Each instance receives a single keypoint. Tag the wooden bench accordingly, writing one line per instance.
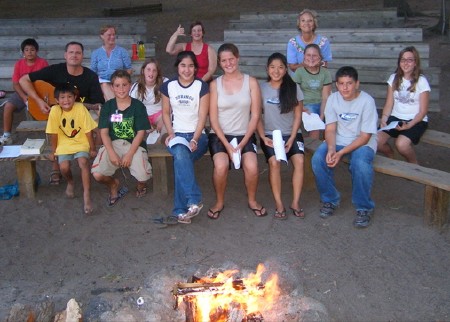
(436, 182)
(26, 172)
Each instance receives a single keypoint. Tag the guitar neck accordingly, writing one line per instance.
(94, 107)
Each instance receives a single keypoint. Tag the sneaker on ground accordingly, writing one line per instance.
(363, 218)
(327, 210)
(184, 219)
(5, 140)
(194, 210)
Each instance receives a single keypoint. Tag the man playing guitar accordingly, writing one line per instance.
(73, 72)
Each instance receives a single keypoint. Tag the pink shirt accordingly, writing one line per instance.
(21, 68)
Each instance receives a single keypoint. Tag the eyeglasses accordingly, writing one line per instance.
(407, 60)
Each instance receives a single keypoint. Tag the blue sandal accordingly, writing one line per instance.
(112, 201)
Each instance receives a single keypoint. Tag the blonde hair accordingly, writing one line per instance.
(312, 13)
(105, 28)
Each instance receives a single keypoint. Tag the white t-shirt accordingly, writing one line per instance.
(185, 103)
(149, 100)
(406, 103)
(352, 117)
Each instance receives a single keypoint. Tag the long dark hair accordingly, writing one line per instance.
(186, 54)
(288, 88)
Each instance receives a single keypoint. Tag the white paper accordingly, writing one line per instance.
(236, 155)
(390, 126)
(179, 140)
(312, 122)
(153, 137)
(10, 151)
(278, 145)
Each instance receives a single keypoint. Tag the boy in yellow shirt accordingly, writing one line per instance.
(70, 129)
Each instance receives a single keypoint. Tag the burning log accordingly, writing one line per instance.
(224, 299)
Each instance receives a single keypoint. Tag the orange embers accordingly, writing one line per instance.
(225, 297)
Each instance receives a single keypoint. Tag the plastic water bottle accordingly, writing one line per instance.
(141, 50)
(134, 50)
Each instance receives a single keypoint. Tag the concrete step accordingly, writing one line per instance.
(334, 35)
(326, 19)
(369, 54)
(71, 26)
(57, 52)
(58, 41)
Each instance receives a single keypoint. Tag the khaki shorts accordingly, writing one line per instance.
(140, 168)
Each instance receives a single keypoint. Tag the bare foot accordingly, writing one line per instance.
(114, 189)
(70, 190)
(88, 209)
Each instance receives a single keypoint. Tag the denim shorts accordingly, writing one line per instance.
(313, 108)
(71, 157)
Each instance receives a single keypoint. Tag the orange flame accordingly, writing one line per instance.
(252, 296)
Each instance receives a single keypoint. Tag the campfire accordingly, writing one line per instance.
(227, 297)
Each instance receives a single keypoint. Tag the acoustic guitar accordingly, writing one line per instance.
(46, 92)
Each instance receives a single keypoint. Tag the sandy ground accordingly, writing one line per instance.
(396, 270)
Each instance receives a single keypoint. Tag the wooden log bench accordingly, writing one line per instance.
(436, 182)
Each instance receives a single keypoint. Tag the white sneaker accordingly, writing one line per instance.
(194, 210)
(5, 140)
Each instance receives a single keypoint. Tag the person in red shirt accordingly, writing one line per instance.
(205, 54)
(18, 101)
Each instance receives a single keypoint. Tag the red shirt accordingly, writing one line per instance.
(202, 60)
(21, 68)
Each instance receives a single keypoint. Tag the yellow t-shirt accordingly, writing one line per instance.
(71, 128)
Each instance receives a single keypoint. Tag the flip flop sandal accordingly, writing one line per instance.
(55, 178)
(214, 215)
(261, 212)
(120, 194)
(299, 213)
(141, 192)
(280, 215)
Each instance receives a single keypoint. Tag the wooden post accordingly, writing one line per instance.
(436, 206)
(308, 177)
(162, 174)
(26, 177)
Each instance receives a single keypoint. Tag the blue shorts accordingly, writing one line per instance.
(17, 102)
(313, 108)
(298, 147)
(71, 157)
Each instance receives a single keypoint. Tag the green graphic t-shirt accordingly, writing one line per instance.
(134, 119)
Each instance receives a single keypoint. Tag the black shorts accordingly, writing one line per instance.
(414, 133)
(298, 147)
(216, 146)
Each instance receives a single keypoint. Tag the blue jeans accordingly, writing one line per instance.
(187, 192)
(361, 169)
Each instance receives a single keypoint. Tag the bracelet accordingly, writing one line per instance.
(195, 142)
